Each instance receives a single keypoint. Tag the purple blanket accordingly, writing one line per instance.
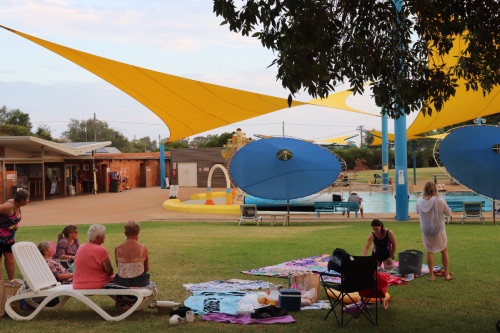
(286, 269)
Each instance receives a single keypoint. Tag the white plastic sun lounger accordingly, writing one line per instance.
(42, 283)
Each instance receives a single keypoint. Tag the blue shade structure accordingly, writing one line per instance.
(283, 168)
(471, 155)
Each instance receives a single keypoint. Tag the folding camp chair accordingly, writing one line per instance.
(42, 283)
(249, 213)
(358, 286)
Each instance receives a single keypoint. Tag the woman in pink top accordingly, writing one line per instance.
(93, 268)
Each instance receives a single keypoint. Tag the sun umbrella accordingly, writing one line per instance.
(471, 155)
(283, 168)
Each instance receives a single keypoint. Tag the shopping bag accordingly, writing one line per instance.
(306, 282)
(9, 289)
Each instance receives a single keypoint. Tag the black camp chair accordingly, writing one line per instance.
(358, 275)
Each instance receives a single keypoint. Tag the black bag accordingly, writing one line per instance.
(269, 311)
(335, 262)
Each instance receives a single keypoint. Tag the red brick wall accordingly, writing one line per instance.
(129, 165)
(2, 199)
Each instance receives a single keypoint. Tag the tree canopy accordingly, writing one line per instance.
(14, 122)
(320, 44)
(87, 130)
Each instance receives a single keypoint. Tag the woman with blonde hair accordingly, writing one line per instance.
(432, 211)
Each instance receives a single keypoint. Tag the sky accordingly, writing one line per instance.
(182, 38)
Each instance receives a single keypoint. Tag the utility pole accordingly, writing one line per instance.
(94, 170)
(95, 131)
(360, 128)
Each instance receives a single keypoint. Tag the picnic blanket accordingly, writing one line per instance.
(318, 264)
(232, 296)
(284, 270)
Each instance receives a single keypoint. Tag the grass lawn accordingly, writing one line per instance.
(422, 174)
(193, 252)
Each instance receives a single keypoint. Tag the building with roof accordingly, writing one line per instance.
(52, 170)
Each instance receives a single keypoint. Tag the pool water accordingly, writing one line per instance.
(385, 202)
(373, 202)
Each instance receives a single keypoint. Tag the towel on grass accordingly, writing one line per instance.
(246, 319)
(228, 285)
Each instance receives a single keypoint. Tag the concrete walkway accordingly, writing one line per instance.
(140, 204)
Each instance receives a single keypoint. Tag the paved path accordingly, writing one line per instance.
(140, 204)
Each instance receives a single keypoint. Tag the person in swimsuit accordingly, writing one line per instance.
(132, 262)
(384, 244)
(10, 216)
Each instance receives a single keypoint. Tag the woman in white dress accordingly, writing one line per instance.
(432, 211)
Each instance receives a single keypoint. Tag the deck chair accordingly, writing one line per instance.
(249, 213)
(40, 282)
(473, 210)
(358, 277)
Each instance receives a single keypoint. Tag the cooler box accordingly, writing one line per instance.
(289, 299)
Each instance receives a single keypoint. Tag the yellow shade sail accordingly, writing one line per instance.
(339, 141)
(338, 101)
(187, 107)
(464, 106)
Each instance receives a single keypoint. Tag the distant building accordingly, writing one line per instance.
(53, 170)
(189, 167)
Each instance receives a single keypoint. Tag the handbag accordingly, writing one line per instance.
(7, 290)
(305, 282)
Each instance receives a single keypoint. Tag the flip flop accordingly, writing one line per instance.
(449, 278)
(439, 273)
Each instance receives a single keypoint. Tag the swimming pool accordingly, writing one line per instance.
(373, 202)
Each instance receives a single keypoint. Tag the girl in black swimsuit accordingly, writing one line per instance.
(384, 244)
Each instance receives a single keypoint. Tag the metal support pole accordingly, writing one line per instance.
(385, 152)
(162, 166)
(400, 143)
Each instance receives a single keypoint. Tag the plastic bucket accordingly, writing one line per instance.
(410, 261)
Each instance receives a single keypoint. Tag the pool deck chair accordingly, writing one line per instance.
(42, 283)
(249, 213)
(473, 210)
